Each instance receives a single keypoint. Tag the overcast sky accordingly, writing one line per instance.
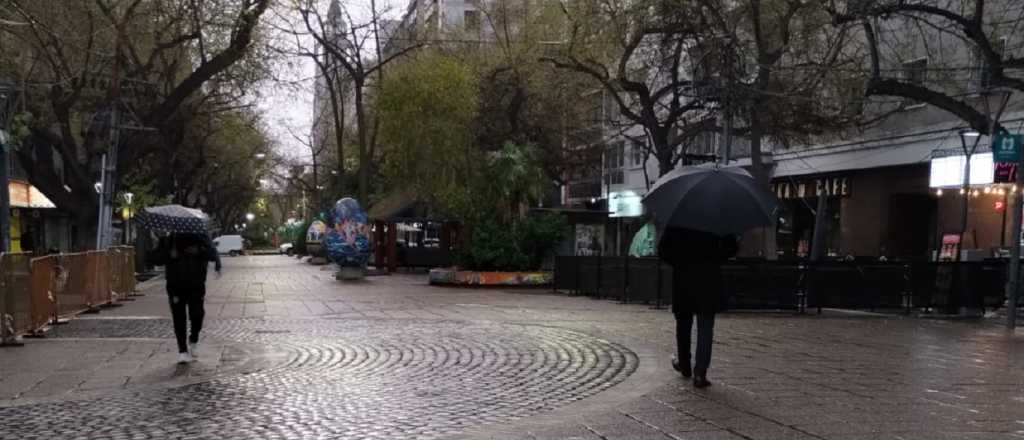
(290, 108)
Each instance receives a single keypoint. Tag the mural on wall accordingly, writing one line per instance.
(348, 241)
(589, 239)
(470, 278)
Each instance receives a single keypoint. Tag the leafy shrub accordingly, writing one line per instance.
(299, 238)
(523, 246)
(539, 236)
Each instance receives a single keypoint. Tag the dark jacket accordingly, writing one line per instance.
(185, 258)
(696, 259)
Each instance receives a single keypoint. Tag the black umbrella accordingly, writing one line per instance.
(721, 201)
(174, 218)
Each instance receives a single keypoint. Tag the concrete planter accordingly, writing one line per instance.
(454, 277)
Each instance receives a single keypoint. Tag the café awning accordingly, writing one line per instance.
(24, 195)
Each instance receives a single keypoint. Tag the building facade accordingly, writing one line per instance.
(891, 190)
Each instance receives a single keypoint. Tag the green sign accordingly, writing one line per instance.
(1006, 148)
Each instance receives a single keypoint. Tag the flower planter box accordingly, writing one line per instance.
(454, 277)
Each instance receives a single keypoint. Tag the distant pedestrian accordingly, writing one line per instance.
(696, 258)
(186, 258)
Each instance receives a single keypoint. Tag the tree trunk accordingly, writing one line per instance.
(662, 150)
(364, 160)
(820, 226)
(338, 112)
(762, 175)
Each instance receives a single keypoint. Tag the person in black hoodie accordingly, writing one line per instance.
(186, 258)
(696, 258)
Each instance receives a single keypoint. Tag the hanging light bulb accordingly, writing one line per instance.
(974, 193)
(988, 190)
(962, 191)
(938, 192)
(1013, 189)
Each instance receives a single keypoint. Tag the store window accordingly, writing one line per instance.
(795, 232)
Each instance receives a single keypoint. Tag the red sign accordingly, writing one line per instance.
(1005, 173)
(1000, 206)
(950, 246)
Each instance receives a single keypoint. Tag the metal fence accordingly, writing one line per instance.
(35, 292)
(759, 284)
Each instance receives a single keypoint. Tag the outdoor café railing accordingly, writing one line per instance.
(779, 285)
(35, 292)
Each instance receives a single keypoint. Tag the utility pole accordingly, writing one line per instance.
(6, 95)
(1013, 284)
(5, 202)
(727, 105)
(109, 171)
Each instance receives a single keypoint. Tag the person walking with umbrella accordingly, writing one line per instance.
(696, 258)
(699, 211)
(185, 254)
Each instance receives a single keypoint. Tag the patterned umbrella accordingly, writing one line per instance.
(174, 218)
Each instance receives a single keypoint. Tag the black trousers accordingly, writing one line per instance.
(705, 335)
(187, 306)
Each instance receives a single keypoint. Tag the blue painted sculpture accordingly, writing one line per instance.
(316, 232)
(348, 240)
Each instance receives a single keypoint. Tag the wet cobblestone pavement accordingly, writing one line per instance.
(357, 379)
(291, 353)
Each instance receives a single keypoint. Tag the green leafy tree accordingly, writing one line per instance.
(428, 115)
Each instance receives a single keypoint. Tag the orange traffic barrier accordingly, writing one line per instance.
(35, 292)
(15, 296)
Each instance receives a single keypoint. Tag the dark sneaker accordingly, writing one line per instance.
(701, 382)
(683, 369)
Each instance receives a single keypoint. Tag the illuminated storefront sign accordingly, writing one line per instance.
(625, 204)
(949, 171)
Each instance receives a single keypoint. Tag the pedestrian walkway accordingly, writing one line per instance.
(288, 352)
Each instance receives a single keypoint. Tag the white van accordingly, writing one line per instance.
(229, 244)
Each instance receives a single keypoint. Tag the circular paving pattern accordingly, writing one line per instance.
(344, 379)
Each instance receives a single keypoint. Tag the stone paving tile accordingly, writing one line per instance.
(776, 376)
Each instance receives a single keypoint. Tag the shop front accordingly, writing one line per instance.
(873, 213)
(986, 203)
(35, 224)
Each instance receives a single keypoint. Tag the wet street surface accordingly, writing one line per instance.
(288, 352)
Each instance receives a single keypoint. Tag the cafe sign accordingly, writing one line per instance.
(812, 188)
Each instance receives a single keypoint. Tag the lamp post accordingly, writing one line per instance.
(965, 187)
(5, 202)
(98, 186)
(128, 196)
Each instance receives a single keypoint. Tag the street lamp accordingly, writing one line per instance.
(250, 217)
(128, 197)
(965, 187)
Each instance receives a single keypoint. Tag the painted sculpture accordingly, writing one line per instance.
(316, 232)
(348, 241)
